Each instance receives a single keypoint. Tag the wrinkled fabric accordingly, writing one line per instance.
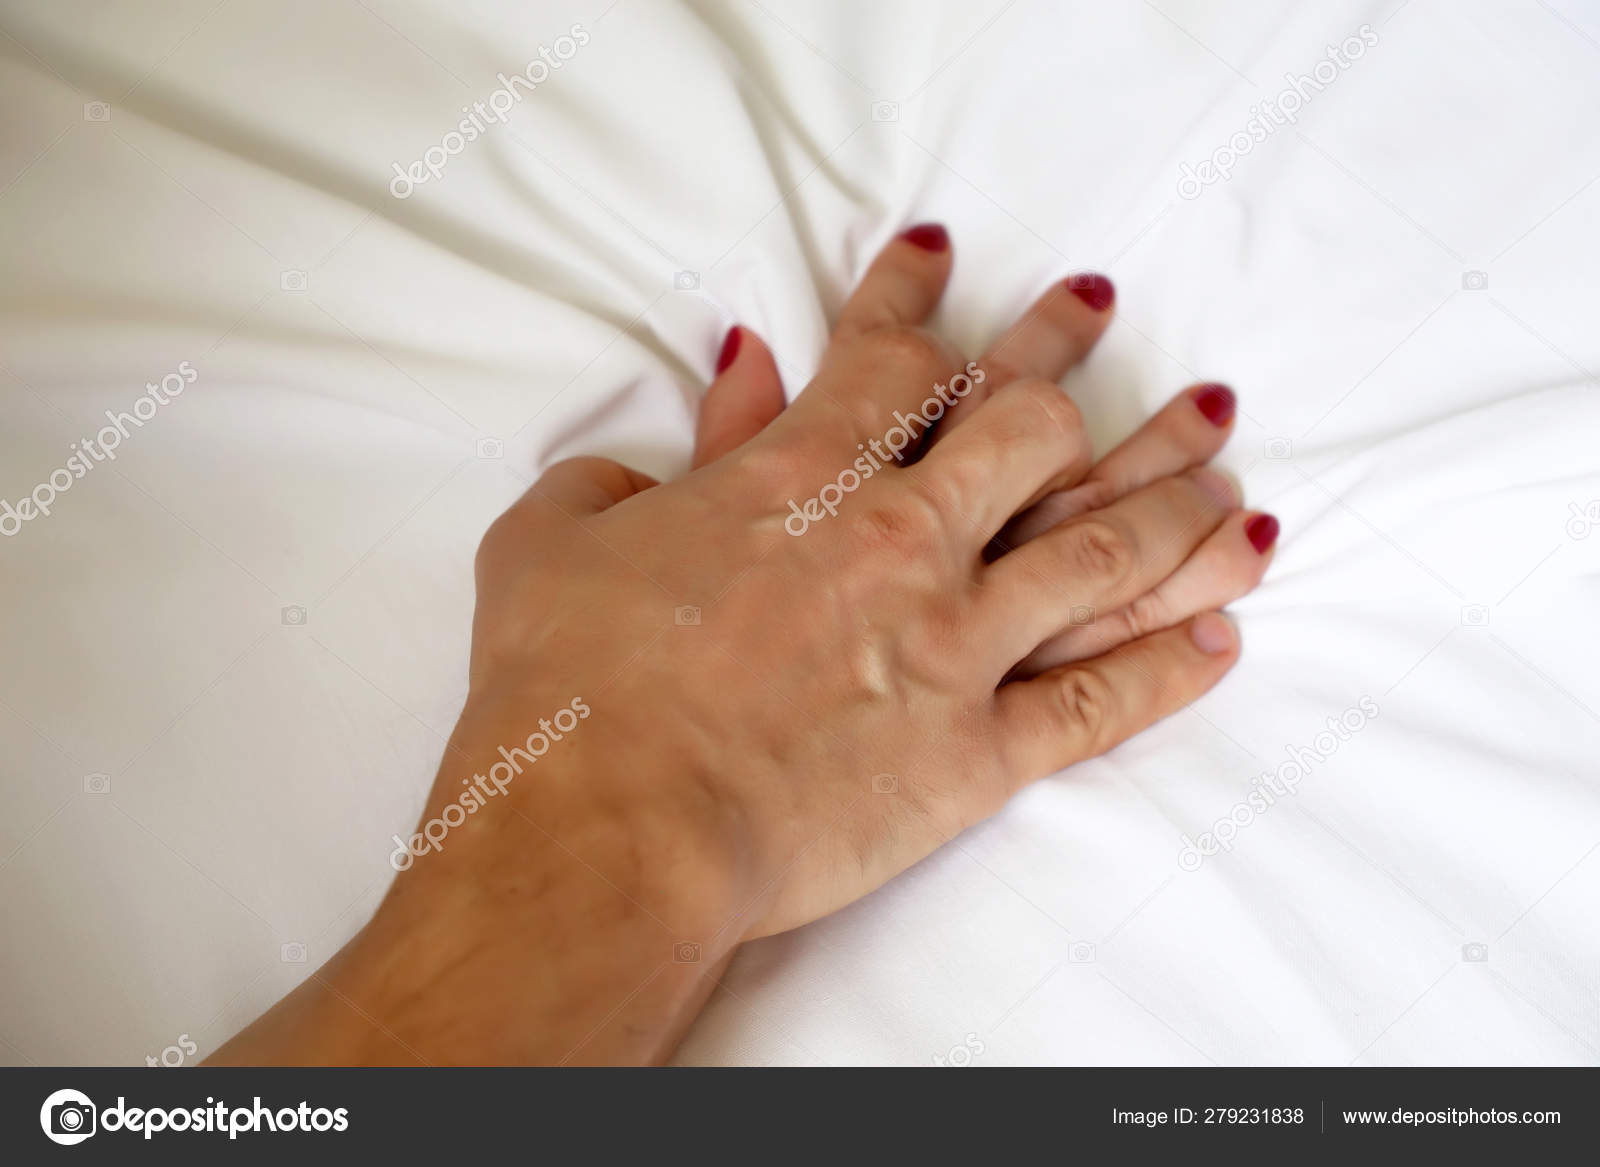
(234, 650)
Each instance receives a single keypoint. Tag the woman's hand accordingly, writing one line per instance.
(720, 708)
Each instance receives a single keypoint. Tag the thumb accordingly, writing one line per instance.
(586, 486)
(746, 395)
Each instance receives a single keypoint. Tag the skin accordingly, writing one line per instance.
(849, 699)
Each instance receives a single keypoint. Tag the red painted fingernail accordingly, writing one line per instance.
(928, 236)
(1217, 402)
(730, 350)
(1262, 531)
(1093, 289)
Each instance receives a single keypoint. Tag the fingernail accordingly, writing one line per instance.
(730, 350)
(1217, 402)
(1212, 632)
(1218, 485)
(1093, 289)
(1262, 531)
(928, 236)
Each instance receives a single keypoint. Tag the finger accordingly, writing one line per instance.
(1023, 442)
(1080, 711)
(1054, 334)
(886, 390)
(586, 486)
(1101, 561)
(1048, 513)
(903, 285)
(881, 372)
(745, 396)
(1188, 431)
(1228, 565)
(571, 489)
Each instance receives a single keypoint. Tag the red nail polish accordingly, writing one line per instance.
(928, 236)
(730, 350)
(1093, 289)
(1217, 402)
(1262, 531)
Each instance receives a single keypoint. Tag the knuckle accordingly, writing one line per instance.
(1099, 551)
(957, 487)
(907, 525)
(1057, 409)
(1148, 613)
(1084, 704)
(766, 466)
(903, 345)
(1096, 494)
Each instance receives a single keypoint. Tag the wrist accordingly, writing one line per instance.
(574, 916)
(542, 932)
(568, 959)
(596, 807)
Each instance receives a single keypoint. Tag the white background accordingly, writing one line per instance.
(1442, 439)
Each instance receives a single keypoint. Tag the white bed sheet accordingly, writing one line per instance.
(1437, 498)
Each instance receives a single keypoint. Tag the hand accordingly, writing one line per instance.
(733, 710)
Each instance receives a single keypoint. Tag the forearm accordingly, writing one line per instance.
(548, 932)
(592, 979)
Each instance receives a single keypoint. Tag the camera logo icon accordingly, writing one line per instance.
(1082, 614)
(97, 783)
(686, 616)
(1474, 281)
(491, 448)
(1278, 450)
(294, 952)
(885, 784)
(96, 111)
(294, 614)
(1475, 953)
(885, 111)
(685, 281)
(1475, 615)
(293, 280)
(686, 952)
(1081, 952)
(68, 1117)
